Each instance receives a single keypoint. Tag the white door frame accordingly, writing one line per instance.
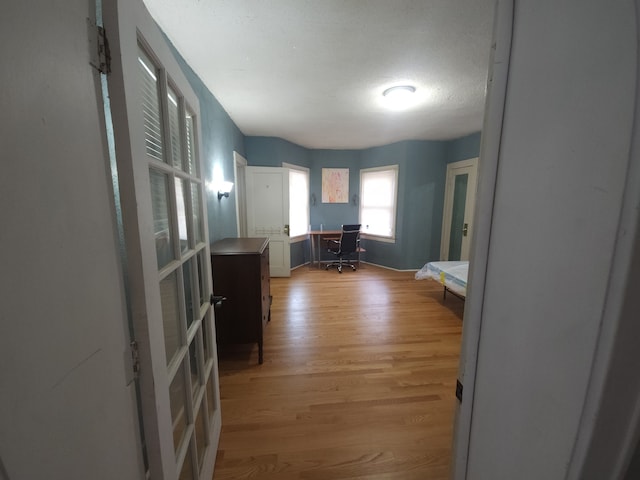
(239, 177)
(605, 439)
(454, 169)
(482, 219)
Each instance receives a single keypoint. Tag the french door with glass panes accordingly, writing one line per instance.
(156, 127)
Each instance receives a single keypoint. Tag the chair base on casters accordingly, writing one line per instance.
(340, 264)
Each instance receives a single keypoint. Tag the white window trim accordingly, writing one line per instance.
(291, 166)
(378, 238)
(381, 238)
(295, 167)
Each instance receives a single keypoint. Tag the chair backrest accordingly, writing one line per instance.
(349, 238)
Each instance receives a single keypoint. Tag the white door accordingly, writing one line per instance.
(67, 403)
(156, 125)
(268, 214)
(459, 204)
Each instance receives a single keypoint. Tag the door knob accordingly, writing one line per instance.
(465, 229)
(286, 230)
(217, 299)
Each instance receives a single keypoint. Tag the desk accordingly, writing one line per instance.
(315, 240)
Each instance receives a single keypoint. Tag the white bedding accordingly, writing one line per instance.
(452, 275)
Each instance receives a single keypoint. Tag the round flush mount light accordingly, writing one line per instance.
(399, 90)
(400, 96)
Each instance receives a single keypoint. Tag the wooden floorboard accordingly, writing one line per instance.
(358, 381)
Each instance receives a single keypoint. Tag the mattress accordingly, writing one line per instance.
(452, 275)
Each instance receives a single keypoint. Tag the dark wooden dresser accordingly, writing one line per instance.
(240, 268)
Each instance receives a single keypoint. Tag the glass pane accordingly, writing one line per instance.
(178, 407)
(170, 315)
(377, 221)
(187, 467)
(211, 398)
(194, 368)
(298, 203)
(150, 106)
(174, 127)
(377, 202)
(191, 142)
(457, 216)
(181, 201)
(378, 188)
(206, 335)
(187, 276)
(160, 205)
(202, 281)
(197, 211)
(201, 435)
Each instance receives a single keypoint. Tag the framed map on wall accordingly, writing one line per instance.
(335, 185)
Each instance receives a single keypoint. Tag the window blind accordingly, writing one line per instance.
(151, 107)
(378, 192)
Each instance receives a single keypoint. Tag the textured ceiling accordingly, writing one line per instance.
(313, 71)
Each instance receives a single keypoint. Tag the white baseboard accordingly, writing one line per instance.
(391, 268)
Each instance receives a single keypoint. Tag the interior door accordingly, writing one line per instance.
(268, 214)
(156, 126)
(460, 192)
(67, 407)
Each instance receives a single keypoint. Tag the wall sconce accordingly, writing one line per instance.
(313, 199)
(355, 199)
(224, 190)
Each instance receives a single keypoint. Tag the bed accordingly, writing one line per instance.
(452, 276)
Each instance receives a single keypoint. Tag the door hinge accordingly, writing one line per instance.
(101, 56)
(131, 362)
(135, 359)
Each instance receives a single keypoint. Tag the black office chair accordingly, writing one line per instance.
(347, 245)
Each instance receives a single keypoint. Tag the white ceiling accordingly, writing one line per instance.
(313, 71)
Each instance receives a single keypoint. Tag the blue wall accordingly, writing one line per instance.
(271, 152)
(333, 215)
(421, 181)
(463, 148)
(220, 137)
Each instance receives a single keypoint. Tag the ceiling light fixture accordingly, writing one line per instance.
(400, 96)
(401, 90)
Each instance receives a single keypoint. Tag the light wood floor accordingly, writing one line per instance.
(358, 381)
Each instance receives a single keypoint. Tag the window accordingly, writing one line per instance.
(378, 193)
(298, 200)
